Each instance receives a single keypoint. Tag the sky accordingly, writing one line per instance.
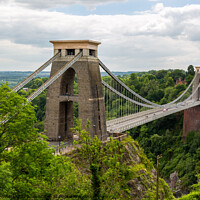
(135, 35)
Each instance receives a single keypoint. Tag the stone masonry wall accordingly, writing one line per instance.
(191, 121)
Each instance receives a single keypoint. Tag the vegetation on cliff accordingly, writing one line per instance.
(195, 194)
(163, 136)
(30, 170)
(118, 170)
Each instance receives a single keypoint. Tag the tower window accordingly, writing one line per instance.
(92, 52)
(70, 52)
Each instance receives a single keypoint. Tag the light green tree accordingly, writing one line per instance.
(28, 167)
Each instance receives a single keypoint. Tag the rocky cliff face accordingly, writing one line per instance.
(140, 185)
(143, 186)
(175, 185)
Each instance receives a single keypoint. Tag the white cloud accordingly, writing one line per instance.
(52, 3)
(162, 37)
(23, 57)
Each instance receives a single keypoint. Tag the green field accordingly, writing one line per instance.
(14, 77)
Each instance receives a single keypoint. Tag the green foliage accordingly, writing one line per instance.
(164, 136)
(190, 74)
(159, 137)
(34, 172)
(163, 188)
(195, 194)
(96, 182)
(5, 179)
(109, 172)
(177, 156)
(161, 74)
(28, 168)
(21, 118)
(40, 101)
(170, 82)
(177, 73)
(190, 70)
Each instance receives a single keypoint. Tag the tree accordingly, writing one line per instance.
(170, 82)
(190, 70)
(38, 174)
(177, 73)
(195, 194)
(134, 81)
(161, 74)
(107, 167)
(36, 83)
(21, 119)
(31, 169)
(190, 74)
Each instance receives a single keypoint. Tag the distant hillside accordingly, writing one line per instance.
(14, 77)
(119, 73)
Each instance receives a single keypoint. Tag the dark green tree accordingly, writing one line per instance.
(190, 70)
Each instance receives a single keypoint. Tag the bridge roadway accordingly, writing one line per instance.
(122, 124)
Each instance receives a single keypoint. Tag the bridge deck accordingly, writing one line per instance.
(131, 121)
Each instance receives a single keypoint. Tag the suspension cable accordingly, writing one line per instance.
(121, 83)
(193, 93)
(183, 92)
(140, 97)
(123, 96)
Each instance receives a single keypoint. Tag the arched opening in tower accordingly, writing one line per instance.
(69, 83)
(75, 89)
(68, 112)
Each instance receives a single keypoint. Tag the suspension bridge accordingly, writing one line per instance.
(110, 105)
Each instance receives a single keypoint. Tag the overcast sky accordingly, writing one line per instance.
(136, 35)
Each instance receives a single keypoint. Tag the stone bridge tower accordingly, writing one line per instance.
(191, 120)
(59, 117)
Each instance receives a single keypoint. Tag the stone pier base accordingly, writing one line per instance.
(191, 120)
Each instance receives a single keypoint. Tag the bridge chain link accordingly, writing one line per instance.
(35, 73)
(54, 77)
(48, 82)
